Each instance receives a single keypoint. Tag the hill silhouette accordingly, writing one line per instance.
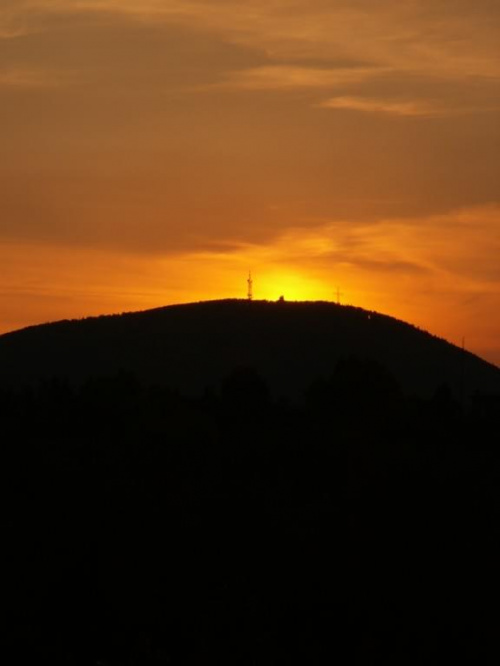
(248, 483)
(195, 346)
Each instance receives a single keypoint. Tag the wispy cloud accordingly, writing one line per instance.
(448, 39)
(392, 107)
(285, 77)
(13, 19)
(461, 246)
(21, 77)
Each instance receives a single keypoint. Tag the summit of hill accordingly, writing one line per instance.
(192, 347)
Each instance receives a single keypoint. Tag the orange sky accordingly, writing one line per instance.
(154, 150)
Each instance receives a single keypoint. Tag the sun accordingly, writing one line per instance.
(291, 285)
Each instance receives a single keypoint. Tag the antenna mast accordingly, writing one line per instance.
(250, 286)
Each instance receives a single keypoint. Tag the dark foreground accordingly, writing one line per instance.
(143, 527)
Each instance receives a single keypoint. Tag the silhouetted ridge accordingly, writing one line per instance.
(193, 347)
(145, 524)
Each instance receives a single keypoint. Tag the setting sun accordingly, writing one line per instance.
(272, 285)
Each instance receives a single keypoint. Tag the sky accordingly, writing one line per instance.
(153, 151)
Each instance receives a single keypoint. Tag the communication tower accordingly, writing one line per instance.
(250, 286)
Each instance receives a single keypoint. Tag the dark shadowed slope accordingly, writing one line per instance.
(194, 346)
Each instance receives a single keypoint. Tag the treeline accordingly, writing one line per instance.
(192, 346)
(146, 527)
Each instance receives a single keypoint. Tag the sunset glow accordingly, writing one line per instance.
(153, 152)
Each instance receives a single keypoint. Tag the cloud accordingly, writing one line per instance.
(13, 19)
(461, 246)
(305, 42)
(444, 39)
(287, 77)
(31, 78)
(392, 107)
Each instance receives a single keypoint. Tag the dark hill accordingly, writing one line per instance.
(144, 526)
(194, 346)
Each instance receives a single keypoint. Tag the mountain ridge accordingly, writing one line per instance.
(194, 346)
